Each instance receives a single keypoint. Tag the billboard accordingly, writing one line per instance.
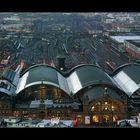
(87, 119)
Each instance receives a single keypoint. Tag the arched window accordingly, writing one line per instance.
(105, 106)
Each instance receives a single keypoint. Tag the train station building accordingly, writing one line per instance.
(86, 92)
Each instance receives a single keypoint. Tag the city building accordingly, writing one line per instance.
(132, 47)
(69, 66)
(45, 92)
(117, 42)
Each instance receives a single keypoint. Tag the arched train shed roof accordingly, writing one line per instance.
(127, 77)
(42, 74)
(78, 78)
(85, 75)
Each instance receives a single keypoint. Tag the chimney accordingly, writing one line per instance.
(61, 62)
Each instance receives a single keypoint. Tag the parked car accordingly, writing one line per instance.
(129, 123)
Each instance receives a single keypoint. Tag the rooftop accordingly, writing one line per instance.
(130, 82)
(77, 79)
(134, 42)
(121, 39)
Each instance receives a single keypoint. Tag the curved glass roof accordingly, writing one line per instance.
(127, 78)
(79, 78)
(40, 65)
(92, 74)
(86, 75)
(41, 74)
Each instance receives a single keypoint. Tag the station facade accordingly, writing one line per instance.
(86, 92)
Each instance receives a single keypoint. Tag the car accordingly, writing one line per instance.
(129, 123)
